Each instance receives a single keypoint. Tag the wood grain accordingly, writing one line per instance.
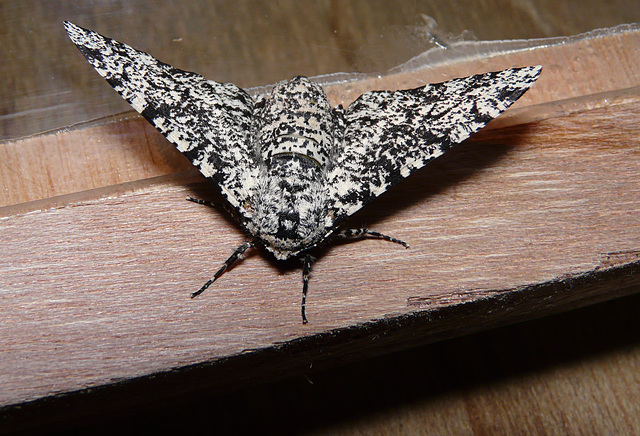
(519, 222)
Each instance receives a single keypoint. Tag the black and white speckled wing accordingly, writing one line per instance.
(389, 135)
(209, 122)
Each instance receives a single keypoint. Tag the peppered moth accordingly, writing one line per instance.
(293, 168)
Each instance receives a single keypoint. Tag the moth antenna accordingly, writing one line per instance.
(363, 231)
(237, 254)
(306, 269)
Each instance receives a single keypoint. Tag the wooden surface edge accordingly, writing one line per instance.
(615, 278)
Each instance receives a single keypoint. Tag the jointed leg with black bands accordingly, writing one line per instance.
(223, 206)
(306, 269)
(363, 231)
(237, 254)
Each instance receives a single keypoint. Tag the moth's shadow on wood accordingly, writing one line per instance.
(460, 163)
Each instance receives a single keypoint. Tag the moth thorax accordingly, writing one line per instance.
(297, 119)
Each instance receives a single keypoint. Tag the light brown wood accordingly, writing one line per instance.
(96, 289)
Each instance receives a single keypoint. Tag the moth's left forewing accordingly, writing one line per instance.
(209, 122)
(389, 135)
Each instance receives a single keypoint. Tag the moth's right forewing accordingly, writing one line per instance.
(391, 134)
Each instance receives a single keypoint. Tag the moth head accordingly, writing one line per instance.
(287, 232)
(289, 215)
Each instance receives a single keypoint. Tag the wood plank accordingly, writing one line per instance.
(519, 222)
(111, 276)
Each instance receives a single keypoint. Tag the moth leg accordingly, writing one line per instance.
(237, 254)
(208, 203)
(363, 231)
(306, 269)
(203, 202)
(216, 205)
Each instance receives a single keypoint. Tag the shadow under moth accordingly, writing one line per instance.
(292, 167)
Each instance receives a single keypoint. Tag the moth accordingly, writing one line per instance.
(293, 168)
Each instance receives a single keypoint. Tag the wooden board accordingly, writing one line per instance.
(521, 221)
